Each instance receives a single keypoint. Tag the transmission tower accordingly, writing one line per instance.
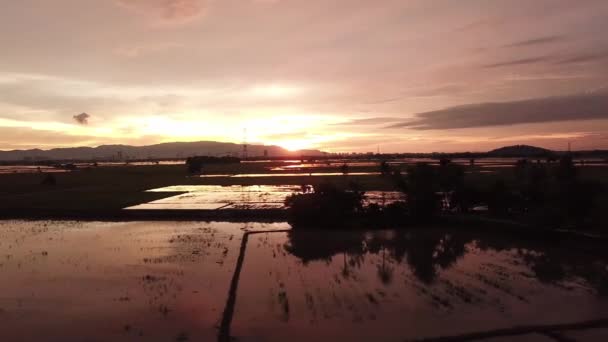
(245, 154)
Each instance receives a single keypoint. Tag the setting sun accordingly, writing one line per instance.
(294, 145)
(271, 170)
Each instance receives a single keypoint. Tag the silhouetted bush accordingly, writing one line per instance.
(49, 179)
(566, 171)
(537, 194)
(326, 206)
(195, 164)
(70, 166)
(385, 168)
(531, 184)
(395, 212)
(344, 169)
(499, 199)
(464, 197)
(421, 188)
(576, 200)
(450, 178)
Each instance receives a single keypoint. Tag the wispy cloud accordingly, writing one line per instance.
(557, 59)
(584, 58)
(549, 109)
(368, 121)
(537, 41)
(519, 61)
(168, 11)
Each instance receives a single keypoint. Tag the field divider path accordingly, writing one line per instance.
(552, 331)
(224, 331)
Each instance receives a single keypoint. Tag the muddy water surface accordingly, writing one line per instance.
(391, 286)
(145, 281)
(169, 281)
(216, 197)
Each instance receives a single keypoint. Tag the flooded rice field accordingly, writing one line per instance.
(170, 281)
(148, 281)
(254, 197)
(69, 167)
(211, 197)
(285, 168)
(307, 166)
(8, 169)
(480, 162)
(391, 286)
(301, 174)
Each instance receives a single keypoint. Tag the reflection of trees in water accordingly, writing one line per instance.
(323, 245)
(553, 262)
(385, 272)
(428, 251)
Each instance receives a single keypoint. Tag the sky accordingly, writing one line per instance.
(341, 76)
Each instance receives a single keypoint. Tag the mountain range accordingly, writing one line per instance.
(181, 150)
(520, 151)
(158, 151)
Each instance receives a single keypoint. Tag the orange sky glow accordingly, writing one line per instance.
(340, 75)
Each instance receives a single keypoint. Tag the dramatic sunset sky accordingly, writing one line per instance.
(346, 75)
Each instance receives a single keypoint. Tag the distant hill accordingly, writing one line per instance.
(158, 151)
(520, 151)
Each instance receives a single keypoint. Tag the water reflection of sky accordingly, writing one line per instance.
(293, 174)
(115, 281)
(395, 285)
(168, 281)
(215, 197)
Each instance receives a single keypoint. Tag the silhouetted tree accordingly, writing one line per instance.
(451, 178)
(49, 179)
(531, 182)
(499, 198)
(344, 169)
(421, 190)
(427, 251)
(566, 170)
(195, 164)
(385, 272)
(326, 206)
(385, 168)
(521, 167)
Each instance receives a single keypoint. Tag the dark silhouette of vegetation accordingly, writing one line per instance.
(421, 189)
(70, 166)
(385, 168)
(344, 169)
(451, 180)
(195, 164)
(537, 194)
(499, 199)
(326, 206)
(428, 252)
(550, 195)
(49, 179)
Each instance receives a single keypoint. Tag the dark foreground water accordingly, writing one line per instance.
(169, 281)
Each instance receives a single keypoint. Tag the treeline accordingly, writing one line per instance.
(195, 164)
(540, 194)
